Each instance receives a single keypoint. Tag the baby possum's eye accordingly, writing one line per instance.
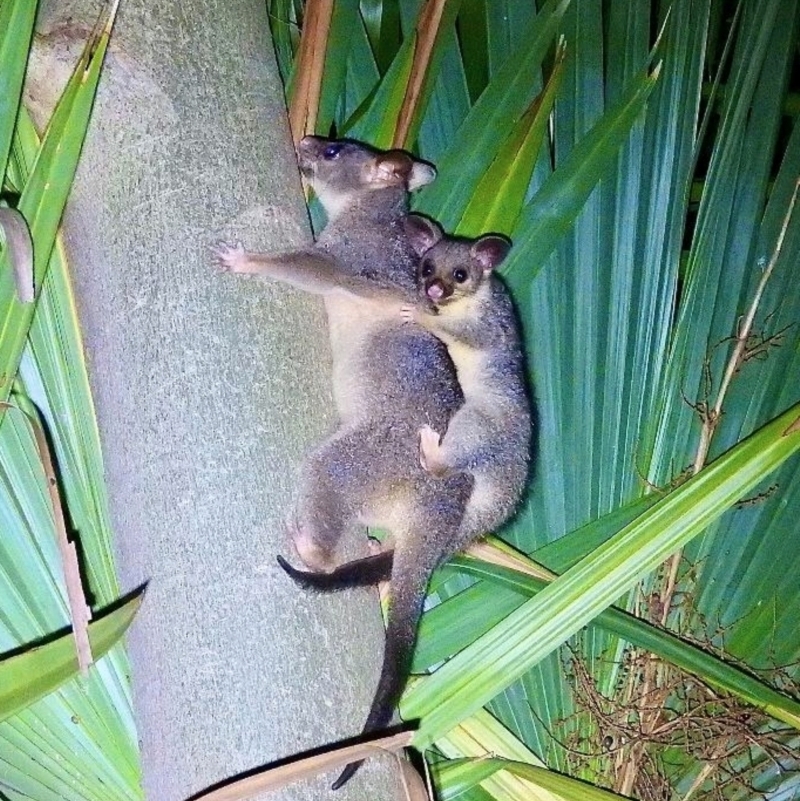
(332, 151)
(460, 275)
(426, 269)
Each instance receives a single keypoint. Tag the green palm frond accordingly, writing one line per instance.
(652, 203)
(78, 741)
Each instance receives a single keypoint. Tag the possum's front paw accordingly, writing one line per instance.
(430, 452)
(230, 258)
(408, 313)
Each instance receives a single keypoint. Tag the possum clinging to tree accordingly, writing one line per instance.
(389, 379)
(472, 313)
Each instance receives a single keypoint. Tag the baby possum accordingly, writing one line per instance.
(489, 436)
(389, 380)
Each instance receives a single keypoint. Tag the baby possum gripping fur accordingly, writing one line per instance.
(390, 379)
(489, 436)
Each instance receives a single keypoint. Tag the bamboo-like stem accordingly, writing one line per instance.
(430, 20)
(304, 104)
(712, 416)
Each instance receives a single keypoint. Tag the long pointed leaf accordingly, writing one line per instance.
(568, 604)
(556, 205)
(683, 654)
(16, 31)
(505, 99)
(458, 775)
(500, 196)
(27, 676)
(44, 196)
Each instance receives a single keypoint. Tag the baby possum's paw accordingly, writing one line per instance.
(430, 452)
(230, 258)
(412, 312)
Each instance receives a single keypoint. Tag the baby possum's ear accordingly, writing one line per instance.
(489, 251)
(422, 233)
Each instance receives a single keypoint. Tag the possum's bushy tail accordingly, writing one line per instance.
(406, 598)
(407, 595)
(431, 533)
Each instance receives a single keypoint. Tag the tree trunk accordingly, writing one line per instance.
(209, 388)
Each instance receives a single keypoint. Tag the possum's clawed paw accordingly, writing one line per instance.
(230, 258)
(408, 314)
(429, 450)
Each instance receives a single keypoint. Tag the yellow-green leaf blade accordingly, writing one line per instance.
(45, 194)
(16, 30)
(569, 603)
(683, 654)
(461, 774)
(562, 196)
(32, 674)
(500, 195)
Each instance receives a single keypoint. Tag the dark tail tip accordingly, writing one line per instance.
(308, 579)
(346, 775)
(287, 567)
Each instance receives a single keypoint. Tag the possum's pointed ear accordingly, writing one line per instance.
(489, 251)
(396, 168)
(422, 233)
(422, 174)
(392, 168)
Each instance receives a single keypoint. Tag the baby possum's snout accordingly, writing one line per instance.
(437, 290)
(439, 281)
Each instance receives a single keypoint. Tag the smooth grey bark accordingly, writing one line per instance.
(209, 390)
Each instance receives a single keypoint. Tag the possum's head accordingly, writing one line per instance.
(451, 267)
(340, 170)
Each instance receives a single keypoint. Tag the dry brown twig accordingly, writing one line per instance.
(311, 51)
(427, 30)
(710, 416)
(79, 611)
(715, 729)
(274, 778)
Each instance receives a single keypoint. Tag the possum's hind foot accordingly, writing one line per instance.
(430, 453)
(311, 553)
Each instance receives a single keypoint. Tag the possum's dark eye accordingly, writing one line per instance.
(332, 151)
(460, 275)
(426, 269)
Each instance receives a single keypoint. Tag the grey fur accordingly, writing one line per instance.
(390, 379)
(490, 435)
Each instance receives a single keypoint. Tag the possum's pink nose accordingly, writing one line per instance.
(435, 291)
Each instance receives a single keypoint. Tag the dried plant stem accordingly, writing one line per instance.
(430, 20)
(79, 611)
(310, 65)
(712, 416)
(303, 767)
(650, 713)
(705, 773)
